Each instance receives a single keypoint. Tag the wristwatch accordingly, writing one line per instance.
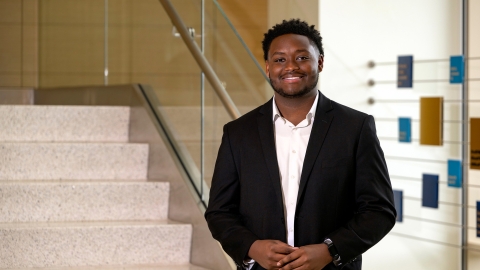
(333, 251)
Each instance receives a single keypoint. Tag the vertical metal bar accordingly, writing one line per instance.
(210, 74)
(21, 42)
(202, 107)
(465, 129)
(105, 45)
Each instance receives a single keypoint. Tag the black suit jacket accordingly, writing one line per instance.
(345, 192)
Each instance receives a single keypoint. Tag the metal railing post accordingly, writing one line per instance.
(201, 60)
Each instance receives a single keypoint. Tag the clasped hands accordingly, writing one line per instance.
(274, 254)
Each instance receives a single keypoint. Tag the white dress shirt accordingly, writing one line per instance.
(291, 144)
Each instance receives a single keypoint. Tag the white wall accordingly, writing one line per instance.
(474, 111)
(356, 32)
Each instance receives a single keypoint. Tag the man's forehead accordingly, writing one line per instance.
(279, 42)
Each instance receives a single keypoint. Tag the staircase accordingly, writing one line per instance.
(74, 194)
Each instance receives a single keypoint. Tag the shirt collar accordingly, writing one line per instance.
(310, 114)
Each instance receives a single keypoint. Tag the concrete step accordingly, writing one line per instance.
(129, 267)
(47, 245)
(64, 123)
(52, 161)
(53, 201)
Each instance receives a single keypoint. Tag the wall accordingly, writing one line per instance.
(473, 67)
(356, 32)
(142, 47)
(19, 43)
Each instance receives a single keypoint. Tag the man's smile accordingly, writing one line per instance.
(292, 78)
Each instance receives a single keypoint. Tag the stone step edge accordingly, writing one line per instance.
(60, 123)
(124, 267)
(78, 181)
(81, 181)
(72, 142)
(91, 224)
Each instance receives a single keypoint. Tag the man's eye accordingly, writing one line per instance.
(303, 58)
(279, 60)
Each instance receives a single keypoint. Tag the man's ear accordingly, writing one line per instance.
(320, 63)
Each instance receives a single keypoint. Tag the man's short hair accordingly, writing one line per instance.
(292, 26)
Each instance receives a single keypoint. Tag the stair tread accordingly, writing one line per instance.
(79, 181)
(127, 267)
(22, 161)
(84, 224)
(82, 181)
(60, 123)
(57, 201)
(68, 244)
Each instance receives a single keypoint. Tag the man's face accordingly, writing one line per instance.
(293, 65)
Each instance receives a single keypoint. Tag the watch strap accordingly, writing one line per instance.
(333, 251)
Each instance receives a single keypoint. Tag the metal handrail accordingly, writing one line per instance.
(201, 60)
(179, 154)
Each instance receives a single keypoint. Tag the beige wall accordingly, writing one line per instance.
(19, 43)
(307, 10)
(54, 43)
(142, 48)
(250, 19)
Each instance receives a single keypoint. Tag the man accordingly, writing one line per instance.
(301, 181)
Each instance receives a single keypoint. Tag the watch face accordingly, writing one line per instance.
(328, 242)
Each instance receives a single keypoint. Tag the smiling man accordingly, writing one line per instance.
(301, 181)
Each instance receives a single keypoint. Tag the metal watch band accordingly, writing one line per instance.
(333, 251)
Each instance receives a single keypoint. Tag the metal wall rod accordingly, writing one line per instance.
(414, 120)
(372, 64)
(381, 138)
(464, 242)
(448, 224)
(201, 60)
(418, 101)
(424, 239)
(416, 159)
(417, 81)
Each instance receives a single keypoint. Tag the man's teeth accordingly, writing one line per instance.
(292, 78)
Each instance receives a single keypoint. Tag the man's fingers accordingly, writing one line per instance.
(275, 257)
(283, 248)
(289, 260)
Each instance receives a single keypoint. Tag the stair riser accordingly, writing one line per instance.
(38, 202)
(64, 123)
(95, 246)
(37, 161)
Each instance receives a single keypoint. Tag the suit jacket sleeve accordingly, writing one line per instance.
(222, 215)
(375, 212)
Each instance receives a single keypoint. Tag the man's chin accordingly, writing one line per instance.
(292, 95)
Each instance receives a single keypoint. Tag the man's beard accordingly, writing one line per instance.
(301, 93)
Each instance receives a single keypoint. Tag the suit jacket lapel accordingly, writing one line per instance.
(267, 138)
(321, 123)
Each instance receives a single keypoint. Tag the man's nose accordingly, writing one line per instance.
(291, 64)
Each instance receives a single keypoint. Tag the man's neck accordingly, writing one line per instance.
(295, 110)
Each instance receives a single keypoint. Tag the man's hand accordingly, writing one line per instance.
(311, 257)
(267, 253)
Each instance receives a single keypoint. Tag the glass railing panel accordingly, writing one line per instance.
(143, 48)
(235, 64)
(237, 69)
(150, 52)
(232, 62)
(84, 43)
